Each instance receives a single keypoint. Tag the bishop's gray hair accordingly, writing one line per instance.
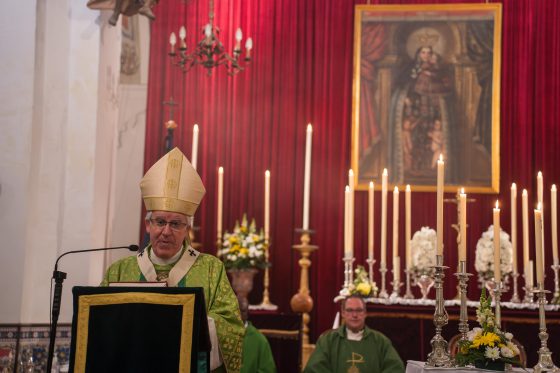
(190, 219)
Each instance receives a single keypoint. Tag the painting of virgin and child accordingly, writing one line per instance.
(426, 81)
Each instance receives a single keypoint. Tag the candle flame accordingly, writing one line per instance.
(513, 186)
(539, 206)
(371, 185)
(267, 173)
(524, 192)
(462, 190)
(347, 189)
(309, 127)
(221, 170)
(408, 187)
(553, 188)
(539, 174)
(497, 204)
(195, 128)
(350, 172)
(385, 171)
(441, 157)
(396, 190)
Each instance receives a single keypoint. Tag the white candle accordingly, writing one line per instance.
(347, 247)
(525, 219)
(407, 230)
(384, 177)
(497, 248)
(529, 275)
(554, 223)
(440, 178)
(514, 226)
(539, 263)
(463, 226)
(395, 222)
(351, 211)
(540, 188)
(194, 151)
(266, 204)
(370, 220)
(307, 177)
(397, 269)
(220, 200)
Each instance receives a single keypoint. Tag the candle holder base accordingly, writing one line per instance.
(463, 278)
(529, 296)
(408, 292)
(396, 289)
(545, 363)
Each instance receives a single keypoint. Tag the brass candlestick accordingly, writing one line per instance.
(556, 296)
(545, 363)
(463, 277)
(439, 357)
(302, 301)
(266, 304)
(515, 297)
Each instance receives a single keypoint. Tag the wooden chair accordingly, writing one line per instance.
(454, 347)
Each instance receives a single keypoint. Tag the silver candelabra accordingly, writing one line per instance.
(545, 363)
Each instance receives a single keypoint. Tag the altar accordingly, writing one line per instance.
(409, 325)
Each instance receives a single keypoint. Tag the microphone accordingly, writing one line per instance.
(59, 277)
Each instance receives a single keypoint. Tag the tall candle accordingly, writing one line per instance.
(525, 219)
(395, 222)
(384, 177)
(497, 248)
(397, 269)
(540, 188)
(538, 246)
(407, 231)
(266, 204)
(194, 151)
(440, 178)
(529, 275)
(514, 226)
(463, 226)
(351, 226)
(554, 223)
(370, 220)
(220, 200)
(307, 177)
(347, 248)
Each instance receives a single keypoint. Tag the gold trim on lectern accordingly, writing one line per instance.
(86, 301)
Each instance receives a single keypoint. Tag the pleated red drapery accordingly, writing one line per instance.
(301, 73)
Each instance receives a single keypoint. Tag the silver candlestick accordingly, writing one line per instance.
(397, 284)
(545, 363)
(528, 292)
(348, 273)
(515, 296)
(408, 293)
(556, 296)
(370, 262)
(463, 278)
(497, 302)
(439, 357)
(383, 270)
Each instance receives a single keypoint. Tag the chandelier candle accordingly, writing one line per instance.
(307, 177)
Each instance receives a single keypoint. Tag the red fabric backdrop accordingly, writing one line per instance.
(302, 72)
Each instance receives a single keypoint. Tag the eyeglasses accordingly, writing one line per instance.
(174, 225)
(351, 310)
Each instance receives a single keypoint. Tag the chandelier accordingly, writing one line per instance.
(210, 51)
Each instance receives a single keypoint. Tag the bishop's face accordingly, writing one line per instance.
(167, 231)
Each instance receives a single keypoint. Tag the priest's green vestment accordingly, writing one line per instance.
(334, 353)
(207, 272)
(257, 356)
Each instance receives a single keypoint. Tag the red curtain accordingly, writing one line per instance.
(301, 73)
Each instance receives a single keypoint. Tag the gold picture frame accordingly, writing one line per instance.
(427, 82)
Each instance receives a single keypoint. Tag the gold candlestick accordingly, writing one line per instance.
(302, 301)
(266, 304)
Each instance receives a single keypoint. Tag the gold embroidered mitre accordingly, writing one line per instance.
(172, 184)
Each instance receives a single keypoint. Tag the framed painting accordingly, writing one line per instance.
(427, 82)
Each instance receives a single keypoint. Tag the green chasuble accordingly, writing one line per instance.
(257, 356)
(207, 272)
(336, 354)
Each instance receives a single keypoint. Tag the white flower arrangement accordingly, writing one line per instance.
(423, 251)
(244, 247)
(484, 263)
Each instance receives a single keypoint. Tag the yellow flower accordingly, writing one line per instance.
(486, 339)
(233, 240)
(243, 251)
(235, 248)
(243, 229)
(363, 288)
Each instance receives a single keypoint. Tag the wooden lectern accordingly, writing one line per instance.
(139, 329)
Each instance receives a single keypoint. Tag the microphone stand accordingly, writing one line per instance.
(59, 278)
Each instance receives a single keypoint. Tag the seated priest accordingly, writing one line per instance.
(354, 347)
(257, 355)
(172, 190)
